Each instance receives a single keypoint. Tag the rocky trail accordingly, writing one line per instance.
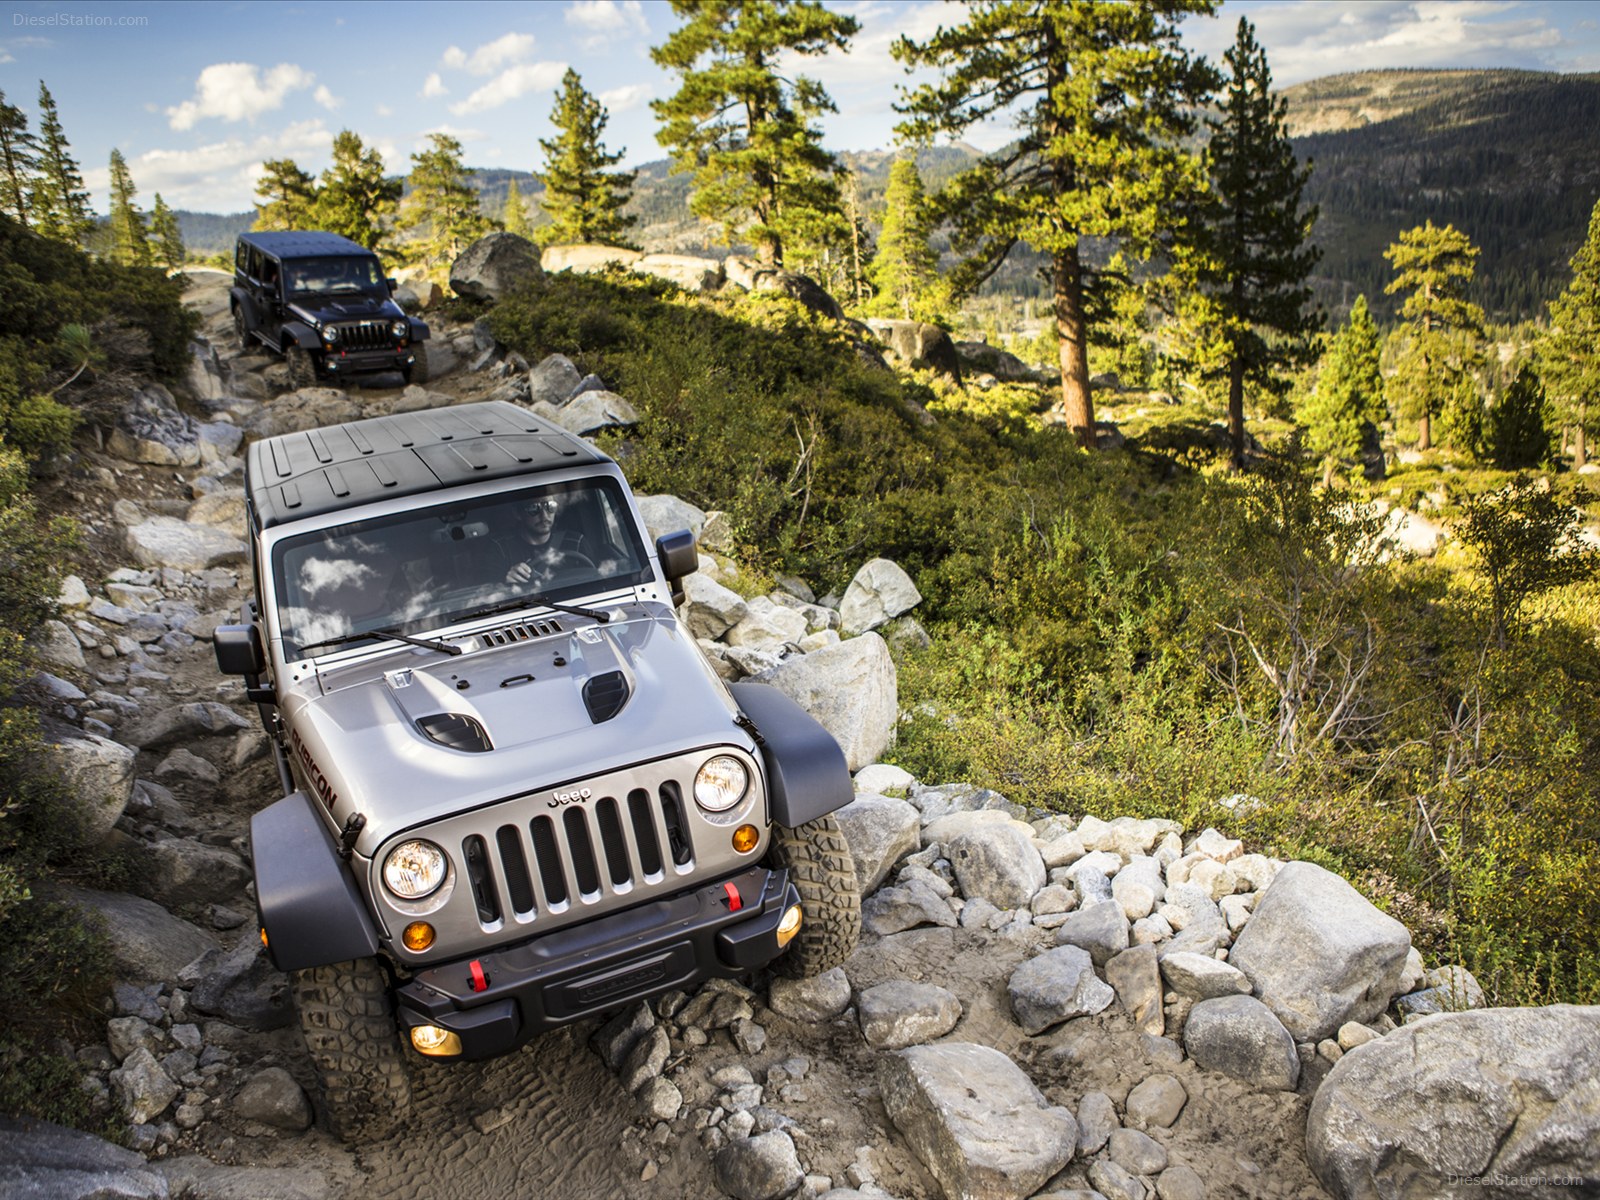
(1040, 1005)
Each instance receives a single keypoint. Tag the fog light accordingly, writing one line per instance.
(789, 926)
(418, 936)
(435, 1042)
(745, 838)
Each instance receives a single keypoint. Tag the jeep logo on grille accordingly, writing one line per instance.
(557, 799)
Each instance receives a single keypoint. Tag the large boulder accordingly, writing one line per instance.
(96, 772)
(589, 412)
(1494, 1102)
(991, 360)
(667, 514)
(1318, 953)
(689, 272)
(902, 1013)
(801, 288)
(150, 429)
(1057, 986)
(709, 609)
(147, 942)
(493, 266)
(38, 1159)
(587, 258)
(554, 381)
(918, 344)
(308, 408)
(880, 591)
(1239, 1036)
(975, 1120)
(850, 688)
(997, 862)
(880, 831)
(169, 542)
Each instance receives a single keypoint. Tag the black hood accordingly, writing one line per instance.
(329, 309)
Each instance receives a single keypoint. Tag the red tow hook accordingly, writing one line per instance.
(735, 901)
(480, 981)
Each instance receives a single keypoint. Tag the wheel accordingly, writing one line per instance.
(417, 372)
(241, 334)
(820, 867)
(349, 1027)
(302, 371)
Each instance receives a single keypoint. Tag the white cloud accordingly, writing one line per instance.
(221, 176)
(5, 56)
(510, 84)
(607, 16)
(433, 86)
(383, 110)
(491, 56)
(462, 135)
(622, 99)
(238, 92)
(326, 98)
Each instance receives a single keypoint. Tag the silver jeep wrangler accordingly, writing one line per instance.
(516, 795)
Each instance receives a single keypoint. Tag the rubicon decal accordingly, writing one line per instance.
(314, 774)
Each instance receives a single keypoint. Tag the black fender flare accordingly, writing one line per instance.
(298, 333)
(807, 776)
(419, 329)
(309, 905)
(240, 298)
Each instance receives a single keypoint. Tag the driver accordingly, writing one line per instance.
(534, 550)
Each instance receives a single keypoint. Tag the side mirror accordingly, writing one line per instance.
(679, 558)
(239, 650)
(394, 285)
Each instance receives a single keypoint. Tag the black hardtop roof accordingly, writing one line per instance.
(307, 243)
(316, 471)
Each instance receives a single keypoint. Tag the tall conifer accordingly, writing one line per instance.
(515, 217)
(1100, 92)
(583, 197)
(18, 154)
(905, 271)
(1441, 328)
(61, 205)
(166, 239)
(442, 211)
(286, 196)
(1570, 356)
(747, 132)
(130, 240)
(1349, 390)
(353, 197)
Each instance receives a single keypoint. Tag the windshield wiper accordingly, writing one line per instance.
(394, 634)
(489, 610)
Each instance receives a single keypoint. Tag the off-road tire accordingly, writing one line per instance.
(417, 372)
(302, 371)
(821, 869)
(240, 334)
(349, 1027)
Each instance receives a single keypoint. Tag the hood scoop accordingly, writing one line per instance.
(456, 732)
(605, 695)
(520, 631)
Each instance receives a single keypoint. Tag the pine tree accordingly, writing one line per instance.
(1517, 435)
(1441, 327)
(18, 157)
(515, 218)
(583, 198)
(1100, 92)
(1254, 254)
(905, 271)
(1349, 390)
(287, 196)
(748, 134)
(130, 240)
(60, 203)
(1570, 356)
(353, 198)
(442, 211)
(166, 238)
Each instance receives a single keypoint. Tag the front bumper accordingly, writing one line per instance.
(601, 964)
(354, 362)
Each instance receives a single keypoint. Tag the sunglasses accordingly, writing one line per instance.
(547, 507)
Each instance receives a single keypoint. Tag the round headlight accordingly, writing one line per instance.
(330, 334)
(399, 328)
(414, 869)
(720, 783)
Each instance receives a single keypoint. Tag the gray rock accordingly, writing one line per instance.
(187, 872)
(1458, 990)
(1138, 887)
(975, 1120)
(895, 909)
(41, 1161)
(1318, 953)
(811, 1000)
(902, 1013)
(661, 1099)
(918, 344)
(96, 772)
(185, 765)
(124, 1035)
(1089, 878)
(763, 1167)
(1201, 977)
(645, 1060)
(587, 258)
(616, 1038)
(800, 288)
(494, 265)
(709, 609)
(589, 413)
(1239, 1036)
(1155, 1102)
(879, 592)
(1136, 978)
(997, 862)
(56, 645)
(850, 689)
(272, 1097)
(242, 987)
(1438, 1108)
(194, 1178)
(1098, 927)
(881, 831)
(691, 273)
(147, 942)
(143, 1087)
(1138, 1153)
(1115, 1183)
(553, 381)
(767, 626)
(1180, 1182)
(184, 723)
(1056, 986)
(150, 429)
(1198, 921)
(169, 542)
(1097, 1120)
(668, 514)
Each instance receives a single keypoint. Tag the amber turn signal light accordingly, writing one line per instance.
(745, 838)
(435, 1042)
(789, 926)
(418, 936)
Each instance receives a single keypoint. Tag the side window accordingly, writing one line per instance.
(241, 258)
(269, 273)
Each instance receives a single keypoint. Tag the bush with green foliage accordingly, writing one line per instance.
(1517, 429)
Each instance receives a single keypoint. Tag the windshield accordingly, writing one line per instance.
(334, 275)
(428, 567)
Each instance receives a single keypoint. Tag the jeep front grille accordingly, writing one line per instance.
(364, 335)
(581, 853)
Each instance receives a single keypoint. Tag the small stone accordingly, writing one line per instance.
(1329, 1050)
(1137, 1152)
(1155, 1103)
(763, 1167)
(272, 1097)
(1353, 1034)
(661, 1099)
(811, 1000)
(645, 1060)
(1097, 1120)
(749, 1037)
(901, 1013)
(1180, 1182)
(1114, 1183)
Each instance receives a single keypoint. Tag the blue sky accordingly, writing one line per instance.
(196, 95)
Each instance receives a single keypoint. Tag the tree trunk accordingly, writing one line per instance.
(1425, 432)
(1236, 411)
(1580, 452)
(1077, 404)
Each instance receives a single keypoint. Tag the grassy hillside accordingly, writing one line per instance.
(1508, 157)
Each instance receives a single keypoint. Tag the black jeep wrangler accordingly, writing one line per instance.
(323, 302)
